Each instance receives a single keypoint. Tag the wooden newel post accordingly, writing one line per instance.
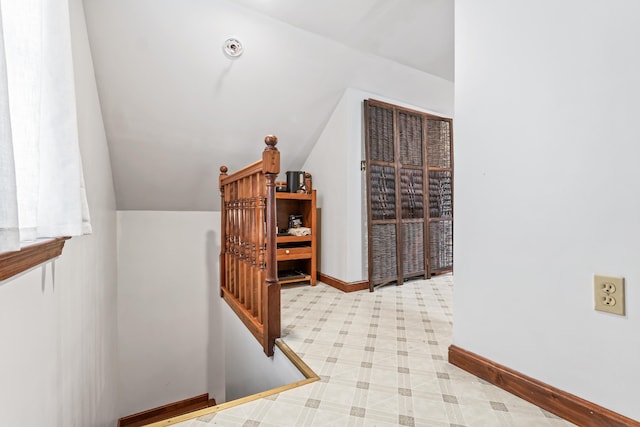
(223, 230)
(271, 168)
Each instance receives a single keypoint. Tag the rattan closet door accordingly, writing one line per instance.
(411, 141)
(381, 191)
(440, 167)
(409, 182)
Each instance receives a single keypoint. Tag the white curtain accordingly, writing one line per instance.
(41, 185)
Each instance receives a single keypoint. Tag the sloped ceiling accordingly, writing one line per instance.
(176, 109)
(416, 33)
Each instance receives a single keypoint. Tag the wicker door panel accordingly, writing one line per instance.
(413, 245)
(410, 138)
(383, 192)
(441, 246)
(381, 133)
(411, 142)
(412, 193)
(440, 165)
(440, 194)
(383, 248)
(439, 147)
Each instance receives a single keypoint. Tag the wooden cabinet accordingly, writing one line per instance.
(296, 254)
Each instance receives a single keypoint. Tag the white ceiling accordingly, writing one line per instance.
(416, 33)
(175, 108)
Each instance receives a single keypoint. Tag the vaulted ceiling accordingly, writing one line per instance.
(176, 108)
(416, 33)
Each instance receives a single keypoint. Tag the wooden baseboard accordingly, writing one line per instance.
(343, 286)
(309, 377)
(561, 403)
(167, 411)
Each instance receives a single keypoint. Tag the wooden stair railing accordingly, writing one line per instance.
(248, 264)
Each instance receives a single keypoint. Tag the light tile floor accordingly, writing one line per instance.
(382, 358)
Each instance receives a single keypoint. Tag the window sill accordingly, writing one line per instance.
(12, 263)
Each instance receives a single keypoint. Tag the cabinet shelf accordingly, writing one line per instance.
(293, 196)
(293, 239)
(296, 254)
(288, 278)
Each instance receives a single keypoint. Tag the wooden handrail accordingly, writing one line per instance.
(248, 264)
(246, 171)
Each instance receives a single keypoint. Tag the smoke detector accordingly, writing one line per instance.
(233, 48)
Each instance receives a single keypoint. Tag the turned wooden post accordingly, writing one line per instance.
(223, 230)
(308, 183)
(271, 300)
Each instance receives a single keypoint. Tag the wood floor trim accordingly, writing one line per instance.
(561, 403)
(166, 411)
(308, 373)
(343, 286)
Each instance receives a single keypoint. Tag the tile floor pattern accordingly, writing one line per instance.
(382, 358)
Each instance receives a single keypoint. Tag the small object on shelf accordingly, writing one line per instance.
(295, 181)
(302, 185)
(295, 221)
(281, 186)
(300, 231)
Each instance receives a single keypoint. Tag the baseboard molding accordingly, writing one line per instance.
(167, 411)
(343, 286)
(561, 403)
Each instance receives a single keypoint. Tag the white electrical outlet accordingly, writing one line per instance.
(608, 293)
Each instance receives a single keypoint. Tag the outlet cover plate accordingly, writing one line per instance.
(608, 293)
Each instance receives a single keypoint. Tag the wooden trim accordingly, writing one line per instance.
(252, 169)
(12, 263)
(441, 272)
(427, 203)
(271, 287)
(343, 286)
(368, 162)
(294, 239)
(167, 411)
(304, 369)
(561, 403)
(294, 196)
(297, 361)
(409, 110)
(398, 195)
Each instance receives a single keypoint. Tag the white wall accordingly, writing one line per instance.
(247, 369)
(176, 108)
(546, 190)
(177, 337)
(58, 343)
(169, 322)
(334, 163)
